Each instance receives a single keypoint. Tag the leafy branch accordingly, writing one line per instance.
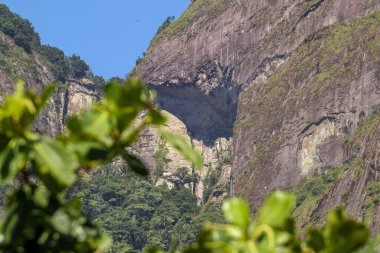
(38, 218)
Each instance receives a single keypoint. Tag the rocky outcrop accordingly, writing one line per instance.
(150, 143)
(357, 184)
(158, 155)
(69, 99)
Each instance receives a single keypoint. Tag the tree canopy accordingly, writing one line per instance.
(19, 29)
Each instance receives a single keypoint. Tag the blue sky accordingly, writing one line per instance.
(108, 34)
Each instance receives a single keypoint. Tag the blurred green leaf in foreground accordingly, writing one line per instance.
(38, 218)
(274, 231)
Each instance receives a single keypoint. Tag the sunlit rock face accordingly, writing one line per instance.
(320, 147)
(77, 95)
(303, 78)
(71, 98)
(150, 144)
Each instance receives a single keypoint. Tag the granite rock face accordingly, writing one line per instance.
(71, 98)
(296, 123)
(305, 79)
(150, 146)
(244, 39)
(215, 49)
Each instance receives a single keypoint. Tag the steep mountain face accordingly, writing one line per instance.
(70, 97)
(39, 65)
(295, 84)
(299, 78)
(308, 118)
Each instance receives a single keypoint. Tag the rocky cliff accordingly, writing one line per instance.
(300, 79)
(39, 65)
(165, 161)
(305, 118)
(71, 96)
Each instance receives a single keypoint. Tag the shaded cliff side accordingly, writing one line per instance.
(305, 79)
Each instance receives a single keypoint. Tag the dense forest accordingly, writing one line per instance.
(140, 215)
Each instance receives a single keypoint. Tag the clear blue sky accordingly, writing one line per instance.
(108, 34)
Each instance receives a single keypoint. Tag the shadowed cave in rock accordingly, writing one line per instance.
(207, 116)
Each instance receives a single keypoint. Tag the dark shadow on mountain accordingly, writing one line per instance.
(207, 116)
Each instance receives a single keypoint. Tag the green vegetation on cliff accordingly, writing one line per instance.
(20, 30)
(310, 192)
(20, 55)
(365, 129)
(210, 182)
